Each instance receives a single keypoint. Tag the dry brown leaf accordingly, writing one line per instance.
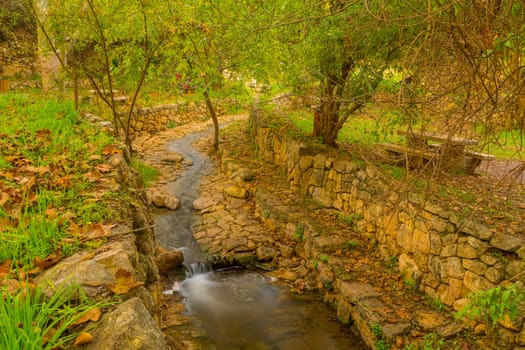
(83, 338)
(403, 314)
(124, 282)
(4, 197)
(18, 161)
(40, 170)
(47, 262)
(5, 267)
(95, 231)
(64, 181)
(92, 315)
(104, 168)
(111, 150)
(49, 335)
(94, 157)
(94, 283)
(51, 213)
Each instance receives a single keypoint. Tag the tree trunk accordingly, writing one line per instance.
(328, 119)
(209, 104)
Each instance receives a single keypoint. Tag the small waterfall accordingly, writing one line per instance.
(197, 268)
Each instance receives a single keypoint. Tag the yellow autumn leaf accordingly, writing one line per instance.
(92, 315)
(124, 282)
(83, 338)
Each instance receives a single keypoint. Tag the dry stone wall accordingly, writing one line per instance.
(18, 60)
(158, 118)
(444, 254)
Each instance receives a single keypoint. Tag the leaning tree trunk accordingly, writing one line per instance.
(209, 104)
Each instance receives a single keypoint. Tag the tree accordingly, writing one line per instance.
(469, 65)
(338, 48)
(109, 44)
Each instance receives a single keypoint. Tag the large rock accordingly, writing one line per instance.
(95, 273)
(162, 199)
(236, 192)
(266, 253)
(128, 326)
(168, 260)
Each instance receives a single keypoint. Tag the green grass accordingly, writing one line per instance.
(29, 320)
(47, 155)
(148, 173)
(359, 130)
(52, 165)
(382, 128)
(507, 144)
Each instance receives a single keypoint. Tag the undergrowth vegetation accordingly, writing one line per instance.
(31, 321)
(55, 198)
(50, 169)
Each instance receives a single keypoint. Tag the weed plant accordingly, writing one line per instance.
(494, 304)
(148, 173)
(29, 320)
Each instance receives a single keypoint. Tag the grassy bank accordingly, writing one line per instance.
(54, 189)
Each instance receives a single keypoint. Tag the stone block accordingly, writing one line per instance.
(449, 250)
(319, 161)
(404, 237)
(475, 266)
(355, 291)
(474, 229)
(316, 178)
(429, 320)
(452, 268)
(409, 269)
(475, 282)
(435, 243)
(449, 238)
(495, 275)
(445, 295)
(438, 224)
(430, 280)
(516, 268)
(506, 242)
(435, 265)
(489, 259)
(465, 250)
(421, 241)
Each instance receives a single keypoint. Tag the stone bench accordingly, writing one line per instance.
(415, 156)
(473, 160)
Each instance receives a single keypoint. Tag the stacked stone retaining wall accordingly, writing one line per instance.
(18, 60)
(442, 253)
(158, 118)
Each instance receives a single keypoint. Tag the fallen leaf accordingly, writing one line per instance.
(4, 197)
(41, 170)
(104, 168)
(94, 283)
(83, 338)
(92, 315)
(95, 231)
(47, 262)
(49, 335)
(124, 282)
(111, 150)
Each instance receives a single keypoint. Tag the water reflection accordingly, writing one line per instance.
(240, 310)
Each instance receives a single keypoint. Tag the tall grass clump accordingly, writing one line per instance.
(30, 320)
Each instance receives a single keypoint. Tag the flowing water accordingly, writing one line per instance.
(240, 309)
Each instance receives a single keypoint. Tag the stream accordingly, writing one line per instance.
(239, 308)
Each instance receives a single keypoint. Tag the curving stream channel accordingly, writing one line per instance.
(237, 308)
